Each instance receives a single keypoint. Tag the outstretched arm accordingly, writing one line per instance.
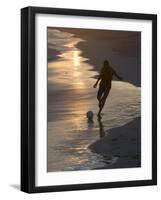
(98, 79)
(119, 77)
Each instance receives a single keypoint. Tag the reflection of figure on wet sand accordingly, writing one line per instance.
(91, 123)
(102, 131)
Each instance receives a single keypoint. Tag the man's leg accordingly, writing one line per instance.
(99, 95)
(103, 100)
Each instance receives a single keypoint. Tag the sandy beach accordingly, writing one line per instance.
(121, 48)
(121, 146)
(73, 62)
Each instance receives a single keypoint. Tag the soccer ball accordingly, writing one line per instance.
(90, 115)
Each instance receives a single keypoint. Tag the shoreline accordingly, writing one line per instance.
(124, 58)
(130, 73)
(121, 146)
(116, 148)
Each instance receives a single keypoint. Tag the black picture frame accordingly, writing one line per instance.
(28, 98)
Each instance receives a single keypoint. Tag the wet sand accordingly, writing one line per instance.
(73, 143)
(122, 143)
(121, 48)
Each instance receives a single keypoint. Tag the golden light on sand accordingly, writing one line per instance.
(76, 73)
(76, 58)
(69, 68)
(79, 83)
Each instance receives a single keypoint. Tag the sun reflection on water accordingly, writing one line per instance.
(69, 70)
(70, 96)
(76, 58)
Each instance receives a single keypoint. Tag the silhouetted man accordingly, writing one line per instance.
(105, 79)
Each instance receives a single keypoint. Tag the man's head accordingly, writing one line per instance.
(106, 63)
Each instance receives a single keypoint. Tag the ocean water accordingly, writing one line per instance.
(70, 96)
